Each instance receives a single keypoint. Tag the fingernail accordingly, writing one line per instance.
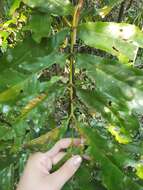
(77, 160)
(86, 157)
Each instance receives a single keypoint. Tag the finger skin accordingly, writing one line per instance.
(62, 175)
(58, 157)
(63, 144)
(37, 174)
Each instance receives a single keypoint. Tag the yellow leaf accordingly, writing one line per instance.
(139, 170)
(104, 11)
(119, 136)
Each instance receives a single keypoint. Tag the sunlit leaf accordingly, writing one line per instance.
(120, 82)
(50, 136)
(48, 91)
(15, 5)
(121, 40)
(139, 169)
(121, 138)
(113, 176)
(114, 84)
(17, 71)
(109, 5)
(58, 7)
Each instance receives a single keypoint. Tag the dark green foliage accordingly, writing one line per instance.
(64, 74)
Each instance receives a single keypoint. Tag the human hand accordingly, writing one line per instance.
(37, 176)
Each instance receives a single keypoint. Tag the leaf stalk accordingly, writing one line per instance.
(76, 17)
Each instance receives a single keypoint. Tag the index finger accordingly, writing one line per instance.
(63, 144)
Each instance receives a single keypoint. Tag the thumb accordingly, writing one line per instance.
(62, 175)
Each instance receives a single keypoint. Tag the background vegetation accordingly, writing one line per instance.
(73, 68)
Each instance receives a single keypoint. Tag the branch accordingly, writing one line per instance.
(129, 5)
(75, 22)
(121, 12)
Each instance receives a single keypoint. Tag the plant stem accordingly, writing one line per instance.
(121, 12)
(129, 5)
(66, 21)
(136, 53)
(75, 22)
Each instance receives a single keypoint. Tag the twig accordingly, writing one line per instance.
(121, 12)
(129, 5)
(75, 22)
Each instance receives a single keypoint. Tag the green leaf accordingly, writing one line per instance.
(97, 101)
(15, 5)
(6, 133)
(111, 74)
(17, 71)
(51, 89)
(120, 81)
(109, 5)
(136, 148)
(139, 170)
(6, 178)
(57, 7)
(51, 136)
(116, 89)
(121, 40)
(31, 110)
(15, 88)
(112, 176)
(40, 25)
(57, 39)
(4, 163)
(15, 56)
(82, 179)
(3, 40)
